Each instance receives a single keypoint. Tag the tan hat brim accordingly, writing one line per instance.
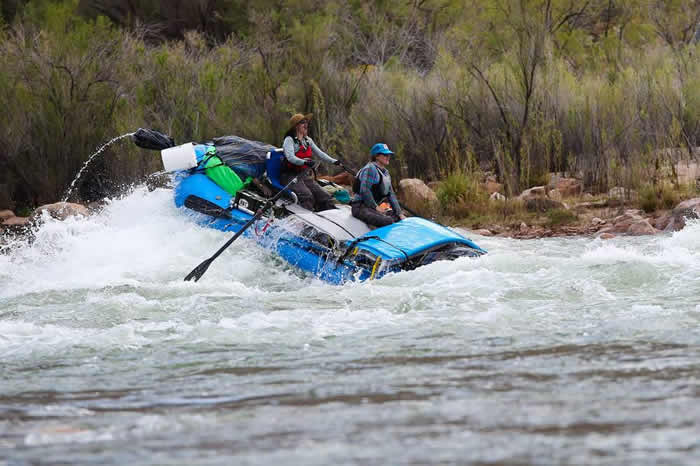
(296, 118)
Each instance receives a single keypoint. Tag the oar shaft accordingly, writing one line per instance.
(257, 215)
(198, 271)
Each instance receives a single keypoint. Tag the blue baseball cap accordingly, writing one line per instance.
(380, 148)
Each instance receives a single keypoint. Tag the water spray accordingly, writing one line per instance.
(82, 169)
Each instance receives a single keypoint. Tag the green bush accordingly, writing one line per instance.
(669, 197)
(442, 88)
(663, 196)
(648, 200)
(557, 217)
(453, 189)
(460, 187)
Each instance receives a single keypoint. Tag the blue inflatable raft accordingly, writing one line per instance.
(333, 245)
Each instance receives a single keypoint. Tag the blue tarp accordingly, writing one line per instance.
(411, 236)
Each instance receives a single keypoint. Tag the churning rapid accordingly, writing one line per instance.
(576, 351)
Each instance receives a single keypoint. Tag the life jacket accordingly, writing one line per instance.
(303, 153)
(380, 190)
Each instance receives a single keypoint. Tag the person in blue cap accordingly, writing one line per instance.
(372, 187)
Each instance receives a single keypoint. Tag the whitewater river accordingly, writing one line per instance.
(553, 351)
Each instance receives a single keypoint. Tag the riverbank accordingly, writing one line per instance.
(560, 208)
(604, 218)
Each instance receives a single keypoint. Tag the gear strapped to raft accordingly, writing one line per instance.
(353, 244)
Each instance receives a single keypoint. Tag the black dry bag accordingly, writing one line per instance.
(152, 139)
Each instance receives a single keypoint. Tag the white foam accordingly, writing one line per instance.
(140, 239)
(115, 281)
(687, 237)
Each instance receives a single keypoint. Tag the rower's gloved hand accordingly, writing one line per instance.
(337, 163)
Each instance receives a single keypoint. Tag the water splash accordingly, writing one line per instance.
(97, 306)
(82, 169)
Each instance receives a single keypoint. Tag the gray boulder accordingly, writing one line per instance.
(689, 209)
(416, 195)
(630, 222)
(60, 211)
(539, 204)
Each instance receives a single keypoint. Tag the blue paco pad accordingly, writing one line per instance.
(200, 150)
(204, 187)
(411, 236)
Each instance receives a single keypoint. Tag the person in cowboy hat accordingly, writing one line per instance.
(299, 150)
(372, 186)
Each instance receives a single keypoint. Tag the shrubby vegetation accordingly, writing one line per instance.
(456, 87)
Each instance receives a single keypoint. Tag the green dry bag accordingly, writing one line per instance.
(222, 175)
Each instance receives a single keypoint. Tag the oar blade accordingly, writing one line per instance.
(198, 271)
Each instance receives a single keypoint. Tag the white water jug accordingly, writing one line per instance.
(178, 158)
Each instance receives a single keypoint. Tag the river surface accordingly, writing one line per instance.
(552, 351)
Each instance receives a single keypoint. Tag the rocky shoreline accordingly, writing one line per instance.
(605, 216)
(17, 225)
(605, 222)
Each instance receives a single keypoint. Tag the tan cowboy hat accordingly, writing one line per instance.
(297, 117)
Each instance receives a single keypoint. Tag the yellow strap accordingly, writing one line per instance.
(374, 268)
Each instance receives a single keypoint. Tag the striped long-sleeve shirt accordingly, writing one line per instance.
(369, 176)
